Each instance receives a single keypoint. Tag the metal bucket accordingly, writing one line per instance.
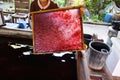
(99, 52)
(87, 39)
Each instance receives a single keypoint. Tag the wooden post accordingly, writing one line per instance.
(82, 68)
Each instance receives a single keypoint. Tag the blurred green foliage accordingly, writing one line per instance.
(61, 3)
(96, 9)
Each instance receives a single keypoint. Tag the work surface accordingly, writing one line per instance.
(100, 30)
(68, 67)
(12, 30)
(28, 67)
(16, 66)
(86, 73)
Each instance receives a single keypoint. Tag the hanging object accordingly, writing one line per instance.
(57, 30)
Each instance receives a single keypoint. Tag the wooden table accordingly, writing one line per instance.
(85, 73)
(15, 34)
(114, 58)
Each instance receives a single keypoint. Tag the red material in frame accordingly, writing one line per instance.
(57, 30)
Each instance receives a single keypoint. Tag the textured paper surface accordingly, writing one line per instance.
(56, 31)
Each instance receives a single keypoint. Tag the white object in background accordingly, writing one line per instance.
(7, 18)
(117, 70)
(118, 36)
(11, 26)
(113, 60)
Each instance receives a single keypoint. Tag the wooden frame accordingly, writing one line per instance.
(64, 22)
(2, 21)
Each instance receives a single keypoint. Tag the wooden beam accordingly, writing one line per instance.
(16, 33)
(82, 68)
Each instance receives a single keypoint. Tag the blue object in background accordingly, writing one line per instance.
(22, 25)
(87, 13)
(108, 17)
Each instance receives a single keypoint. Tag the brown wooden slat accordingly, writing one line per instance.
(22, 6)
(22, 11)
(22, 0)
(82, 68)
(16, 33)
(107, 72)
(116, 78)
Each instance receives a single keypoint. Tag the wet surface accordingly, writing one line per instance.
(100, 30)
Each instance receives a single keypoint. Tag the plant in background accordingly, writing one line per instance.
(96, 8)
(95, 18)
(11, 6)
(61, 3)
(79, 2)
